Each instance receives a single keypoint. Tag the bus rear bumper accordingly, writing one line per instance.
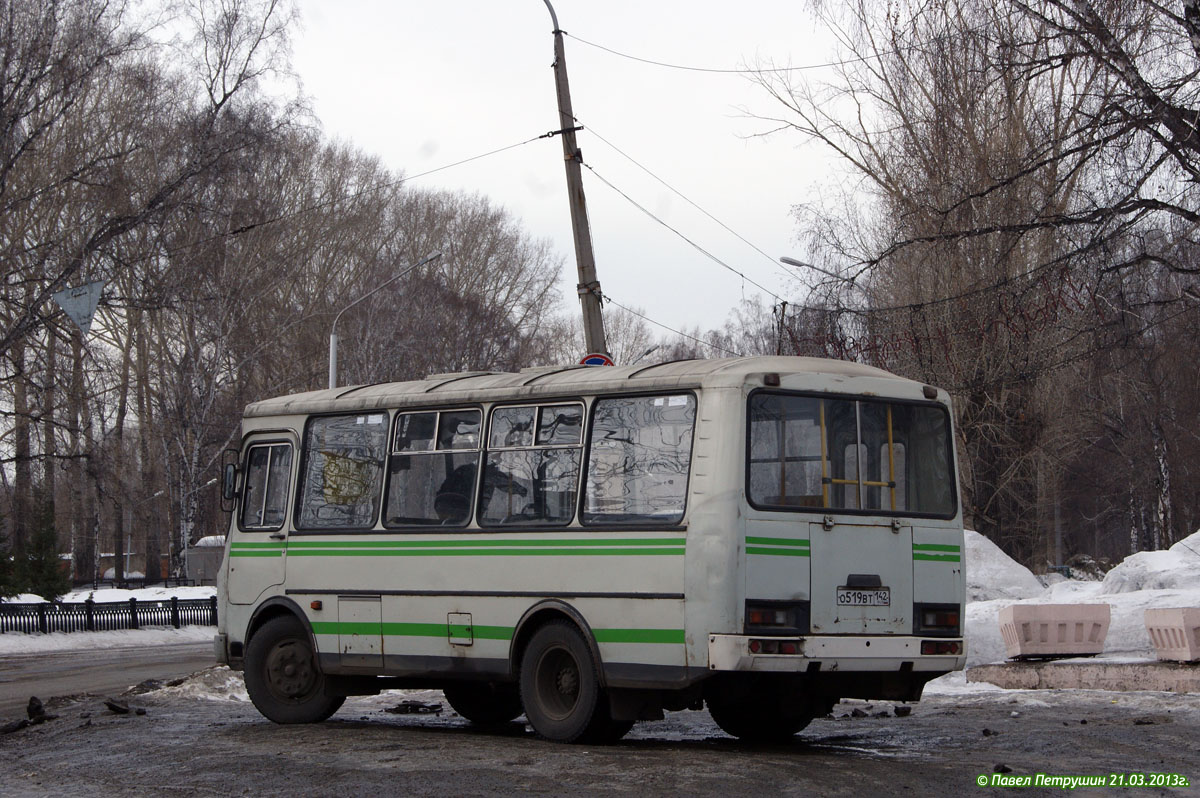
(882, 653)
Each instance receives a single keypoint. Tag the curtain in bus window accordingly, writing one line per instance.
(641, 449)
(264, 497)
(433, 486)
(343, 471)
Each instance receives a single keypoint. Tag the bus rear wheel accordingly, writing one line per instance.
(282, 676)
(757, 715)
(560, 688)
(485, 703)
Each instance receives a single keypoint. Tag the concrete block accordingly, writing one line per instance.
(1175, 633)
(1054, 630)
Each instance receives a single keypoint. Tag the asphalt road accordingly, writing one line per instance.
(188, 745)
(95, 672)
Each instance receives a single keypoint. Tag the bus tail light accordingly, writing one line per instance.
(768, 646)
(784, 618)
(941, 620)
(933, 647)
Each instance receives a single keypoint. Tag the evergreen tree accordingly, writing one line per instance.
(8, 571)
(41, 570)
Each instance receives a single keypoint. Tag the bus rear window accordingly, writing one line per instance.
(846, 454)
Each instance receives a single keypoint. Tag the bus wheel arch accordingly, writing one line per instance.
(561, 677)
(282, 670)
(539, 615)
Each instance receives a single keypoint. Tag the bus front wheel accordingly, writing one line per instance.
(282, 676)
(485, 703)
(560, 688)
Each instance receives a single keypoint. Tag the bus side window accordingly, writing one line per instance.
(342, 473)
(641, 452)
(531, 470)
(264, 499)
(431, 476)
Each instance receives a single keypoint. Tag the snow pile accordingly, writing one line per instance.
(217, 683)
(1177, 568)
(992, 574)
(1154, 579)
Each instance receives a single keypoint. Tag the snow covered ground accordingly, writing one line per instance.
(1148, 579)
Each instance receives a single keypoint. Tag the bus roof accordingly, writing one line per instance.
(557, 381)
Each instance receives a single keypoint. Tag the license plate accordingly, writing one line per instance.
(859, 597)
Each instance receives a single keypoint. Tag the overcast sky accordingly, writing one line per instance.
(424, 84)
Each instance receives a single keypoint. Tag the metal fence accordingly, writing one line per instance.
(94, 616)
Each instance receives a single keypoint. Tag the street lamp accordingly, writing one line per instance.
(805, 265)
(333, 328)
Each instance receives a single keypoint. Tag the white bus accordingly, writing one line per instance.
(593, 546)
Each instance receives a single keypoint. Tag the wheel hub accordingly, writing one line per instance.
(289, 670)
(567, 681)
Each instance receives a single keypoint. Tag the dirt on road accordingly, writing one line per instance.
(207, 742)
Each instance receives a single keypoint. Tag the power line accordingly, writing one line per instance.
(742, 71)
(697, 247)
(682, 196)
(368, 190)
(644, 317)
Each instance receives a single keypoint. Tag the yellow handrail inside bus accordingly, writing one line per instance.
(891, 459)
(824, 458)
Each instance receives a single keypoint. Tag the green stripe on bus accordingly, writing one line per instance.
(673, 636)
(484, 552)
(272, 545)
(935, 547)
(778, 552)
(441, 630)
(938, 557)
(803, 542)
(488, 542)
(259, 553)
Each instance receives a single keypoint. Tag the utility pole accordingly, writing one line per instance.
(589, 286)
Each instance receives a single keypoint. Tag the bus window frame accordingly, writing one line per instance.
(601, 526)
(392, 452)
(250, 444)
(875, 399)
(389, 415)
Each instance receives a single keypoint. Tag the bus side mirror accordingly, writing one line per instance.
(229, 483)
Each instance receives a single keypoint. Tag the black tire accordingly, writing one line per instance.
(757, 716)
(282, 675)
(560, 688)
(485, 703)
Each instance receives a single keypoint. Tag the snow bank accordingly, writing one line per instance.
(1177, 568)
(141, 594)
(20, 643)
(24, 598)
(992, 574)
